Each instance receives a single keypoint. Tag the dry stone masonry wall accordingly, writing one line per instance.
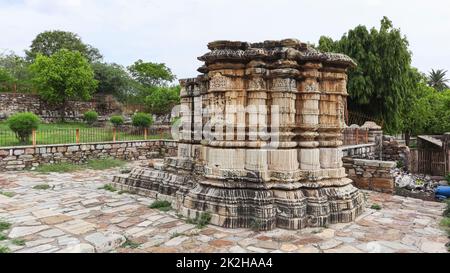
(19, 158)
(371, 174)
(11, 103)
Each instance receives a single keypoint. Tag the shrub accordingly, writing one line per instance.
(447, 177)
(108, 187)
(4, 225)
(201, 220)
(161, 205)
(142, 120)
(4, 249)
(116, 120)
(376, 207)
(23, 124)
(90, 117)
(42, 187)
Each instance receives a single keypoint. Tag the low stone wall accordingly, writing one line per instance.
(11, 103)
(19, 158)
(395, 151)
(372, 175)
(366, 151)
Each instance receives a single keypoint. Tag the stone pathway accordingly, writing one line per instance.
(74, 215)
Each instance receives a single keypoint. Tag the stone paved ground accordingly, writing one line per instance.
(75, 216)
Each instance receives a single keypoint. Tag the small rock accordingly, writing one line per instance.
(176, 241)
(80, 248)
(17, 232)
(105, 242)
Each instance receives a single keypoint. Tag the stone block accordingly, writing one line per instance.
(382, 184)
(73, 148)
(362, 183)
(19, 152)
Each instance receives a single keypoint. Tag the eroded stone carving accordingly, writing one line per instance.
(267, 151)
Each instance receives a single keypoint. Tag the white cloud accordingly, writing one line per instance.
(176, 31)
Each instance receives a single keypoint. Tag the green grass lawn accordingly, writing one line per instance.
(93, 164)
(65, 133)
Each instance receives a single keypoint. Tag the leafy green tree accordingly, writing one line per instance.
(439, 122)
(151, 74)
(49, 42)
(4, 76)
(112, 79)
(17, 68)
(162, 99)
(438, 80)
(420, 111)
(382, 80)
(428, 112)
(64, 76)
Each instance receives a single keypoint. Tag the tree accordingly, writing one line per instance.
(382, 80)
(151, 74)
(4, 76)
(112, 79)
(17, 68)
(64, 76)
(162, 99)
(428, 111)
(49, 42)
(419, 111)
(437, 79)
(439, 122)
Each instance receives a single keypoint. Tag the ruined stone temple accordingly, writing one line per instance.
(259, 143)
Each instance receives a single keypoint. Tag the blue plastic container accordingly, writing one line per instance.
(443, 191)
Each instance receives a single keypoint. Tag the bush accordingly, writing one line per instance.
(116, 120)
(23, 124)
(447, 177)
(201, 220)
(142, 120)
(90, 117)
(161, 205)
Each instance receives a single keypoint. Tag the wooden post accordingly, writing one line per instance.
(33, 137)
(114, 134)
(77, 135)
(145, 133)
(357, 136)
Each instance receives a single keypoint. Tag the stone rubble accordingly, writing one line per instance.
(417, 183)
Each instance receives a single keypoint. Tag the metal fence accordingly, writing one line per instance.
(360, 119)
(82, 135)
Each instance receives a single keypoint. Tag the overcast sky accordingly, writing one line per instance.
(176, 32)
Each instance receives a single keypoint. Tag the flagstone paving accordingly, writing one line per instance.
(74, 215)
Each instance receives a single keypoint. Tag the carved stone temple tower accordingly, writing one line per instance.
(259, 142)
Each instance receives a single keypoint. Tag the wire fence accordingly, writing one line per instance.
(82, 135)
(360, 119)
